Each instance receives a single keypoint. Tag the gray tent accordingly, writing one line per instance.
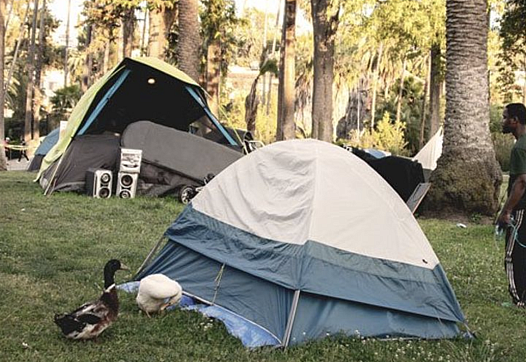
(137, 89)
(172, 158)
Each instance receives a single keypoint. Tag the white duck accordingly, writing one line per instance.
(157, 292)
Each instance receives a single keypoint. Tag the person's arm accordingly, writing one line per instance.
(517, 191)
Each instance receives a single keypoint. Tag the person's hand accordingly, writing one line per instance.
(504, 218)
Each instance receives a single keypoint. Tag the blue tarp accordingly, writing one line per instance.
(250, 334)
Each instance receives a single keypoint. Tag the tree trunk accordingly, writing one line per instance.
(401, 91)
(17, 48)
(143, 31)
(435, 89)
(323, 65)
(88, 62)
(155, 41)
(66, 48)
(524, 83)
(128, 27)
(251, 107)
(467, 178)
(3, 161)
(189, 38)
(161, 20)
(286, 129)
(421, 140)
(38, 71)
(375, 82)
(106, 58)
(28, 123)
(213, 73)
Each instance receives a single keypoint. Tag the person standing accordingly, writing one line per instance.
(23, 151)
(512, 214)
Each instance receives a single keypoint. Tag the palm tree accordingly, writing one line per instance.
(467, 178)
(189, 38)
(325, 26)
(3, 161)
(286, 129)
(161, 20)
(435, 89)
(28, 123)
(128, 29)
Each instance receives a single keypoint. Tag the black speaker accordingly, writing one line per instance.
(99, 183)
(126, 185)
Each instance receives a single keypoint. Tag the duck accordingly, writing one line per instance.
(157, 292)
(91, 319)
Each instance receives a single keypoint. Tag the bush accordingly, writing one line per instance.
(502, 143)
(495, 118)
(388, 136)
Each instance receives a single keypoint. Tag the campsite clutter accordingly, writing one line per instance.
(300, 240)
(91, 319)
(289, 243)
(148, 105)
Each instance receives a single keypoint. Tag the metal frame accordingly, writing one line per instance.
(214, 120)
(104, 101)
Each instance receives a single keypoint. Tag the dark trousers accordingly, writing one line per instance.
(23, 153)
(515, 258)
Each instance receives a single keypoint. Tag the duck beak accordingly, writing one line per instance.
(124, 267)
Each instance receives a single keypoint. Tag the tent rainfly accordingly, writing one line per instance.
(430, 153)
(303, 240)
(135, 90)
(48, 142)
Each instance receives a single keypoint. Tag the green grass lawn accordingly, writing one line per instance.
(53, 249)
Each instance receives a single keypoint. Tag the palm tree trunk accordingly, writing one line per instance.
(21, 33)
(467, 178)
(155, 41)
(213, 72)
(272, 55)
(128, 28)
(9, 14)
(325, 27)
(143, 31)
(251, 107)
(3, 161)
(286, 129)
(66, 49)
(161, 20)
(524, 81)
(88, 62)
(189, 38)
(435, 85)
(38, 71)
(28, 123)
(421, 141)
(401, 91)
(375, 82)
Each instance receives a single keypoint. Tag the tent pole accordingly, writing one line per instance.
(150, 255)
(104, 100)
(292, 316)
(211, 116)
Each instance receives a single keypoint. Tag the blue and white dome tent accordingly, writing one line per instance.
(303, 239)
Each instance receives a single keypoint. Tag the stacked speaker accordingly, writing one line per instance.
(128, 175)
(99, 183)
